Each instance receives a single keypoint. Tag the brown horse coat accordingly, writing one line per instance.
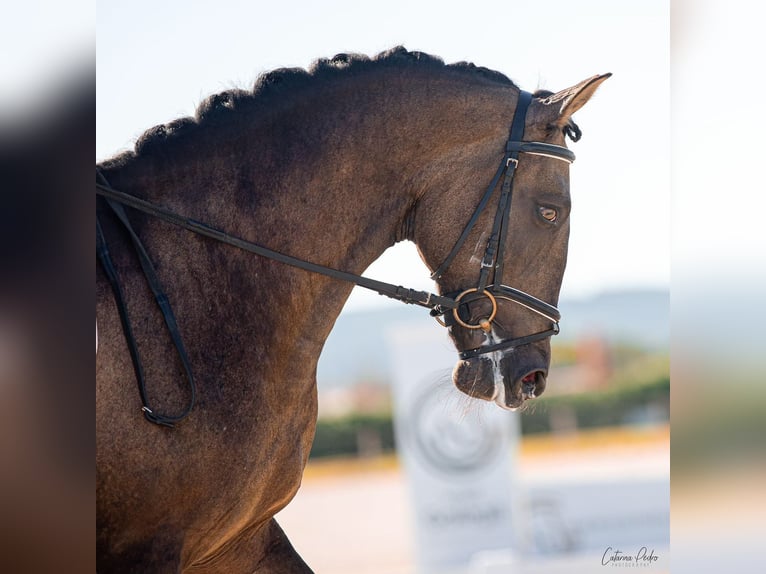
(332, 166)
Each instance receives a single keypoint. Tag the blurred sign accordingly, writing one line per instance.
(458, 454)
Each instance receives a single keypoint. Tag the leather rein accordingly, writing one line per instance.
(447, 305)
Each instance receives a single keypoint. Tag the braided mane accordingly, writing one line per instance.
(273, 88)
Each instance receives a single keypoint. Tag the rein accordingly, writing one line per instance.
(440, 305)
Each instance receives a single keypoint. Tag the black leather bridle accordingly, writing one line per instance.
(492, 262)
(447, 305)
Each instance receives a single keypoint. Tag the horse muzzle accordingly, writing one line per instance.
(507, 378)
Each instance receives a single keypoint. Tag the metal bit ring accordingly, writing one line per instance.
(484, 324)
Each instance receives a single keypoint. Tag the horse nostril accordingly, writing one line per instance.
(533, 384)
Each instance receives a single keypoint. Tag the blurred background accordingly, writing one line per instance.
(588, 463)
(686, 88)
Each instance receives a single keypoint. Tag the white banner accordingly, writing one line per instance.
(458, 453)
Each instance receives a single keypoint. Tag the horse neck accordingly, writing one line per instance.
(330, 179)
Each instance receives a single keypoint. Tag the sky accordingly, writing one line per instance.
(157, 60)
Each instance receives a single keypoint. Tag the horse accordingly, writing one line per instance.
(326, 167)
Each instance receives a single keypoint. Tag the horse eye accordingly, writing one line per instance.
(548, 213)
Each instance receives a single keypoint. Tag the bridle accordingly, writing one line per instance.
(492, 262)
(447, 305)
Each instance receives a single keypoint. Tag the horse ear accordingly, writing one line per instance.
(572, 99)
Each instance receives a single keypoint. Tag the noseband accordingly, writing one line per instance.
(440, 305)
(492, 262)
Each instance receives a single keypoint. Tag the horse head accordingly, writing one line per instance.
(504, 260)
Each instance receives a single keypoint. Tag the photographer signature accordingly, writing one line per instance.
(618, 558)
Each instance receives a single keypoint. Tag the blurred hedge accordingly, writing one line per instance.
(341, 436)
(617, 405)
(626, 401)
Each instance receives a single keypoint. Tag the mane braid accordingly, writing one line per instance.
(276, 86)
